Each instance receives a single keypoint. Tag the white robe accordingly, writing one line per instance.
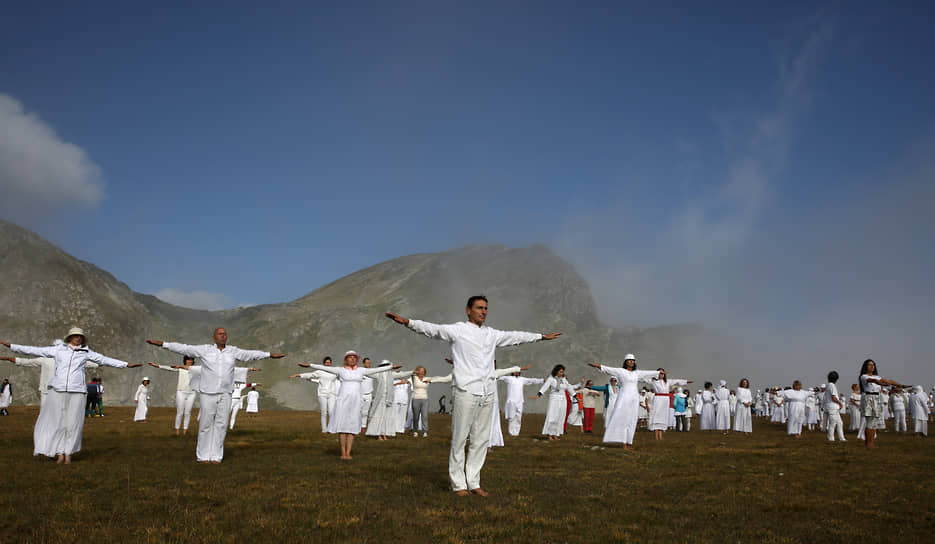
(513, 407)
(723, 409)
(142, 403)
(795, 404)
(622, 425)
(708, 410)
(346, 416)
(743, 417)
(555, 413)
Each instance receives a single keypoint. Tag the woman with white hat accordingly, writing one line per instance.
(61, 417)
(622, 425)
(142, 401)
(345, 422)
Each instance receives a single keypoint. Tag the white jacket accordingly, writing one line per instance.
(69, 364)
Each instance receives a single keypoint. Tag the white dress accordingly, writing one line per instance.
(555, 413)
(622, 425)
(779, 412)
(708, 417)
(795, 403)
(346, 417)
(659, 415)
(142, 403)
(723, 409)
(496, 432)
(6, 396)
(743, 416)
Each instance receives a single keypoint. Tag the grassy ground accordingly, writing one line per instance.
(282, 481)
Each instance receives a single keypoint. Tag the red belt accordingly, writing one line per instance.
(671, 398)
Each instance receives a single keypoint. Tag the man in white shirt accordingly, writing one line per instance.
(513, 407)
(215, 385)
(327, 391)
(473, 347)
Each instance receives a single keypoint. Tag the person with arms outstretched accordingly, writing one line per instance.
(473, 347)
(215, 386)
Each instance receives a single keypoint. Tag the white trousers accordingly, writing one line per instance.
(366, 400)
(236, 405)
(326, 405)
(212, 426)
(184, 400)
(61, 420)
(900, 420)
(835, 426)
(402, 412)
(470, 418)
(515, 423)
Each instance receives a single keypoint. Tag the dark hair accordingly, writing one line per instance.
(707, 385)
(833, 376)
(740, 384)
(863, 370)
(625, 364)
(556, 368)
(475, 298)
(327, 358)
(660, 369)
(365, 359)
(187, 358)
(589, 382)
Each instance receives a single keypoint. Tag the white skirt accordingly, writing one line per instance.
(142, 407)
(555, 415)
(61, 421)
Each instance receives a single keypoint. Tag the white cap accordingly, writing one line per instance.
(723, 383)
(351, 352)
(145, 378)
(629, 356)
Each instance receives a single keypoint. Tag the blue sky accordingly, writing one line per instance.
(761, 167)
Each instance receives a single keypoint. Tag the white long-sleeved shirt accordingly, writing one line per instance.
(514, 387)
(217, 365)
(142, 394)
(68, 375)
(473, 350)
(185, 378)
(327, 382)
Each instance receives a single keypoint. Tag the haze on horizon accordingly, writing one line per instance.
(766, 172)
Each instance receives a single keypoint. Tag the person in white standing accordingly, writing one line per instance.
(919, 411)
(513, 407)
(722, 423)
(662, 400)
(795, 404)
(215, 385)
(366, 394)
(708, 408)
(555, 385)
(237, 397)
(327, 391)
(853, 408)
(346, 419)
(61, 417)
(141, 399)
(743, 413)
(898, 402)
(253, 402)
(622, 425)
(473, 350)
(184, 395)
(833, 406)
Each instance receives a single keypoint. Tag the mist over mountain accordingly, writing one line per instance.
(44, 291)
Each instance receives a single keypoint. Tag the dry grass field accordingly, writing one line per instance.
(282, 481)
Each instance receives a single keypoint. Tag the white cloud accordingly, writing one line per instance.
(198, 300)
(39, 171)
